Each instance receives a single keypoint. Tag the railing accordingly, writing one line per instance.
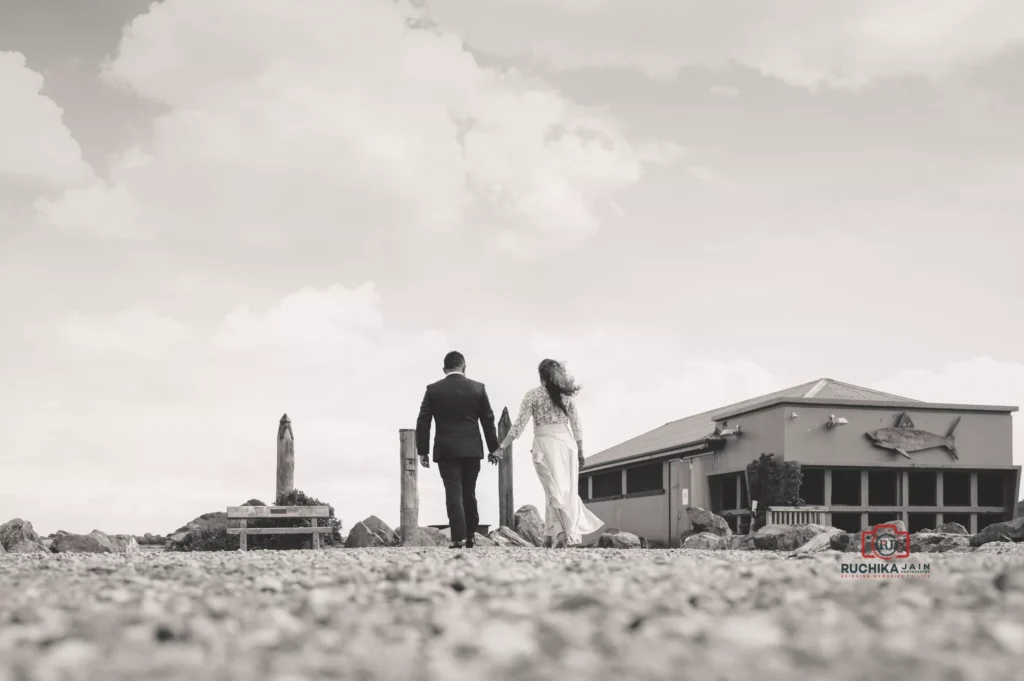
(796, 515)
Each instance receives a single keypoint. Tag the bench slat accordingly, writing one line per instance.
(278, 530)
(239, 512)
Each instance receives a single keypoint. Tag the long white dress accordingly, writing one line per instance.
(554, 455)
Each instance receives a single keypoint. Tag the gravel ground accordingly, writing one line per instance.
(505, 614)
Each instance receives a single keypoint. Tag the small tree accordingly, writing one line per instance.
(773, 483)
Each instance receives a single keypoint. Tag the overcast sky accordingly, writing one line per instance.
(216, 211)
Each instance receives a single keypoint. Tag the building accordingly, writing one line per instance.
(866, 456)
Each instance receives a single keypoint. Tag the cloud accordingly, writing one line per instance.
(325, 121)
(805, 43)
(189, 427)
(136, 332)
(37, 146)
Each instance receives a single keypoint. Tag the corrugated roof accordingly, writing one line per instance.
(699, 426)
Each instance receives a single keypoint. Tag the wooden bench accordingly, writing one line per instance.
(246, 513)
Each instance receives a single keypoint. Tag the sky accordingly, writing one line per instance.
(213, 212)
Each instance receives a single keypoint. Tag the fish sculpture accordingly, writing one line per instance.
(905, 438)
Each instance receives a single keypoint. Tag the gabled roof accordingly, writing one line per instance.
(694, 429)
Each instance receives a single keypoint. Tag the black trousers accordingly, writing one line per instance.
(459, 477)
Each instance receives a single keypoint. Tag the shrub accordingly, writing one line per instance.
(773, 483)
(218, 539)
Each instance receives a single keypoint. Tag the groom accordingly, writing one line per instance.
(457, 404)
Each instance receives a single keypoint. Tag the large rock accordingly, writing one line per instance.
(1011, 530)
(951, 528)
(369, 533)
(936, 542)
(853, 542)
(819, 542)
(707, 541)
(786, 537)
(425, 536)
(505, 536)
(528, 524)
(17, 536)
(215, 520)
(117, 543)
(67, 542)
(482, 541)
(618, 540)
(706, 521)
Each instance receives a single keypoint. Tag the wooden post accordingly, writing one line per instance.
(410, 509)
(506, 507)
(285, 458)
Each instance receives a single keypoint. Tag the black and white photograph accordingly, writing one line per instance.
(459, 340)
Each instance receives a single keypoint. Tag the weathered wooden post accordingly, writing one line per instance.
(506, 507)
(410, 511)
(285, 458)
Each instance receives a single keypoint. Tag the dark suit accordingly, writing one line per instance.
(459, 406)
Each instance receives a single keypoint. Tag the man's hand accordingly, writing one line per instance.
(495, 456)
(425, 461)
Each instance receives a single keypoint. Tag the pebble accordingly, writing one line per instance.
(505, 613)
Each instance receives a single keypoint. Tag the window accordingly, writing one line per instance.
(647, 478)
(584, 488)
(607, 484)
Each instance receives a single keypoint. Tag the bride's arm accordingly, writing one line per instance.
(574, 424)
(525, 412)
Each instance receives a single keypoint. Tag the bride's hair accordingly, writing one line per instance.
(556, 382)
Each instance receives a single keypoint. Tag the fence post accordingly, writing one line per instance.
(506, 507)
(285, 458)
(410, 510)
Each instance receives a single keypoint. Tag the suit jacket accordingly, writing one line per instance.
(459, 406)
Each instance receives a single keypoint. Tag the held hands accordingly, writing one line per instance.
(495, 456)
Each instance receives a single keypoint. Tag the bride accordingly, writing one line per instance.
(557, 453)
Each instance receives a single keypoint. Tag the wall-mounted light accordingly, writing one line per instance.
(833, 421)
(793, 415)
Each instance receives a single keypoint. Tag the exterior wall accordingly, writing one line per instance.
(982, 439)
(761, 432)
(644, 516)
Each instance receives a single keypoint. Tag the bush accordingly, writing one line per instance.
(218, 539)
(773, 483)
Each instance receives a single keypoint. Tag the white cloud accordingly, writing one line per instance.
(137, 332)
(322, 120)
(805, 42)
(34, 142)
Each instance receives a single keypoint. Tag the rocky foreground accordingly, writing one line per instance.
(507, 613)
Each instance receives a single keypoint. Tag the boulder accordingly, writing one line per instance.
(504, 536)
(1002, 548)
(126, 544)
(482, 541)
(707, 541)
(819, 542)
(528, 524)
(786, 537)
(741, 542)
(17, 536)
(1013, 530)
(935, 542)
(951, 528)
(2, 549)
(618, 540)
(424, 536)
(706, 521)
(67, 542)
(853, 543)
(381, 529)
(372, 532)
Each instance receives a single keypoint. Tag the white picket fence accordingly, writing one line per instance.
(796, 515)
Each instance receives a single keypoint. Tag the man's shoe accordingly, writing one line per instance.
(461, 544)
(469, 544)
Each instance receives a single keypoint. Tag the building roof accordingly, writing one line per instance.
(694, 429)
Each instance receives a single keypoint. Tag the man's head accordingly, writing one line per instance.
(454, 362)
